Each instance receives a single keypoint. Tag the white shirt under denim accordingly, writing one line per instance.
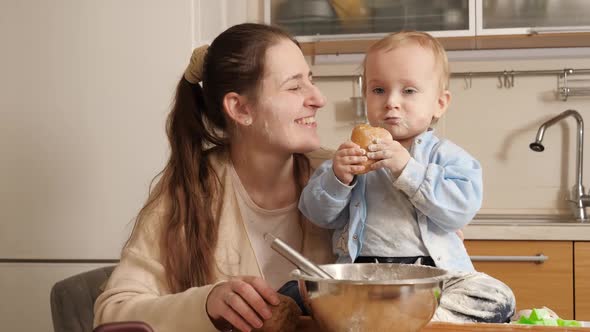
(389, 232)
(441, 180)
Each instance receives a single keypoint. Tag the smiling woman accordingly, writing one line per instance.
(284, 114)
(240, 155)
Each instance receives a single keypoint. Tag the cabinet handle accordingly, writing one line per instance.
(539, 259)
(541, 30)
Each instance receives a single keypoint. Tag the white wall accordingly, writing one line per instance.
(85, 87)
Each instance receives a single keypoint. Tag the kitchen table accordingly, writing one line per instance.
(306, 324)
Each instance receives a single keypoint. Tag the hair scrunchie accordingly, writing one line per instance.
(194, 71)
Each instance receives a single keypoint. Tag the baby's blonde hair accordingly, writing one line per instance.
(423, 39)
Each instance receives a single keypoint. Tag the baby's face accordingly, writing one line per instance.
(403, 92)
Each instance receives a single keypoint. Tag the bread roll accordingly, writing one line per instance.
(284, 316)
(363, 135)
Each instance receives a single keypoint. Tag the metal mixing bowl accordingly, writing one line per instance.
(372, 297)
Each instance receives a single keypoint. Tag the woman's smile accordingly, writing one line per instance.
(307, 121)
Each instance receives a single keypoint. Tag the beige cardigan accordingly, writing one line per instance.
(137, 289)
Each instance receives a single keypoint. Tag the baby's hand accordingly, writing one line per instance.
(347, 161)
(390, 154)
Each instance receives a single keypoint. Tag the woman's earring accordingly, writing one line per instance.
(248, 121)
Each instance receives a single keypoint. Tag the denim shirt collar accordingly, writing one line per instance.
(423, 137)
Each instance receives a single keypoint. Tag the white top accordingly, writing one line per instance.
(391, 229)
(283, 223)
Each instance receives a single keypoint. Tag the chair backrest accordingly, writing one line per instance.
(72, 300)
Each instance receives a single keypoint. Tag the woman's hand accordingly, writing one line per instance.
(347, 162)
(390, 154)
(241, 302)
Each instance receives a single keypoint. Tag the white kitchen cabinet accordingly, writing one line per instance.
(337, 19)
(345, 19)
(349, 26)
(501, 17)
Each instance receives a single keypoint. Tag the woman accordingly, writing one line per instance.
(196, 260)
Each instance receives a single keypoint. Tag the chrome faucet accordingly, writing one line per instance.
(578, 199)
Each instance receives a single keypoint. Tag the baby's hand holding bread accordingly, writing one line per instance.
(364, 135)
(351, 158)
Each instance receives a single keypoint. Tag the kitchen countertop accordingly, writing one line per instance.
(526, 227)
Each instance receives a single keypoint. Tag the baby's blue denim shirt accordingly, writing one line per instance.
(441, 180)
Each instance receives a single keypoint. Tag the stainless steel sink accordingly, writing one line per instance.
(525, 220)
(526, 227)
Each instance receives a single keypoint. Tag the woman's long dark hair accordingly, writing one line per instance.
(235, 62)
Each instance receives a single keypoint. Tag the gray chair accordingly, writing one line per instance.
(72, 300)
